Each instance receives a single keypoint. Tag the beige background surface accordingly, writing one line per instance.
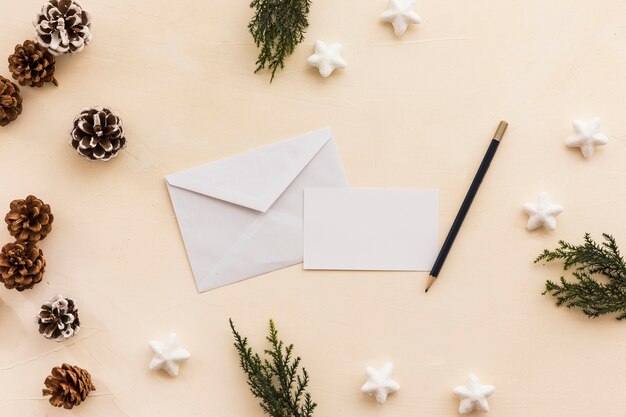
(410, 112)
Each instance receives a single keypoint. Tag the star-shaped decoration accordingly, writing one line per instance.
(168, 355)
(473, 395)
(400, 14)
(379, 383)
(327, 58)
(542, 213)
(587, 136)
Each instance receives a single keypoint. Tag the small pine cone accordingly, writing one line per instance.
(58, 319)
(29, 220)
(63, 27)
(10, 101)
(98, 134)
(68, 385)
(21, 266)
(31, 64)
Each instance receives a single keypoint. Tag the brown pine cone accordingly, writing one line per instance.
(98, 134)
(68, 385)
(21, 266)
(63, 27)
(29, 220)
(10, 101)
(32, 65)
(58, 319)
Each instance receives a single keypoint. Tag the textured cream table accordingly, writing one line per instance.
(411, 112)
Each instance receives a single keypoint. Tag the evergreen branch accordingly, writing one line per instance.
(277, 27)
(594, 298)
(275, 380)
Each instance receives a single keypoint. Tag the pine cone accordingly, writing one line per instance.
(29, 220)
(21, 266)
(98, 134)
(10, 101)
(58, 319)
(68, 385)
(31, 64)
(63, 27)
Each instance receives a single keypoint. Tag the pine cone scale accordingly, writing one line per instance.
(112, 130)
(106, 145)
(64, 6)
(85, 127)
(36, 227)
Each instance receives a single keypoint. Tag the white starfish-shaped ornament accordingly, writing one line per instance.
(587, 136)
(473, 395)
(327, 58)
(168, 355)
(400, 14)
(542, 213)
(379, 383)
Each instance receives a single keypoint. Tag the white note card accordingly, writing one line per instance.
(370, 229)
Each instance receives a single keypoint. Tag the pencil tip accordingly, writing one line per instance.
(431, 281)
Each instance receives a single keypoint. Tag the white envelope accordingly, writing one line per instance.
(242, 216)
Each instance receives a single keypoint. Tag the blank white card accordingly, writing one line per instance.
(367, 229)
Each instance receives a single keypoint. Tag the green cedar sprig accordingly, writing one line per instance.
(277, 27)
(595, 298)
(275, 380)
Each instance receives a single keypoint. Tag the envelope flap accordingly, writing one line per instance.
(254, 179)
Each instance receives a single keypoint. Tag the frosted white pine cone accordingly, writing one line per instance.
(98, 134)
(63, 27)
(58, 319)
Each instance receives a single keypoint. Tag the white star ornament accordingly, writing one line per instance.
(473, 395)
(379, 383)
(587, 136)
(168, 355)
(542, 213)
(401, 14)
(327, 58)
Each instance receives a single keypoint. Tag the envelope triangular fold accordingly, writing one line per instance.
(254, 179)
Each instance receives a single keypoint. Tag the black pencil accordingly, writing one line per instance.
(467, 202)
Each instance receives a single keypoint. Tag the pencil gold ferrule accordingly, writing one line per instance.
(500, 130)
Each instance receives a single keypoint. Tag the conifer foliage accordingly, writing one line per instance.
(278, 26)
(276, 379)
(588, 262)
